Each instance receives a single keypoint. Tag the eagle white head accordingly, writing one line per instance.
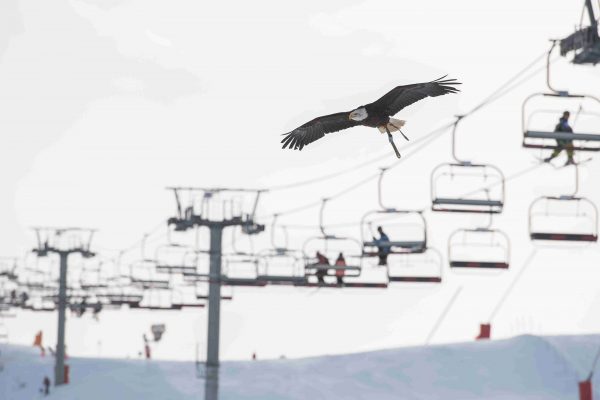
(359, 114)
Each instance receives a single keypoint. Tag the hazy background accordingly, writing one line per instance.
(105, 103)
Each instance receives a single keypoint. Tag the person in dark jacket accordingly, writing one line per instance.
(322, 262)
(383, 246)
(563, 144)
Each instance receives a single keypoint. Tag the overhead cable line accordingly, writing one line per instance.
(488, 100)
(501, 91)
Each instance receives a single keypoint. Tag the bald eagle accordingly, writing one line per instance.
(375, 115)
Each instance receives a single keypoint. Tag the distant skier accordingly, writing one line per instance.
(339, 273)
(383, 246)
(46, 383)
(563, 144)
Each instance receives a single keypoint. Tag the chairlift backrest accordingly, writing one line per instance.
(563, 218)
(467, 188)
(479, 248)
(538, 125)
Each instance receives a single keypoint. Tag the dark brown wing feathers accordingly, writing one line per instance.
(403, 96)
(388, 105)
(316, 129)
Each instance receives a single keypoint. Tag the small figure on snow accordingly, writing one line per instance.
(46, 384)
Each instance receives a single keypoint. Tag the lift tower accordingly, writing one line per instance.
(62, 241)
(196, 211)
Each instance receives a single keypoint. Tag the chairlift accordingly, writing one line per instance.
(179, 300)
(563, 218)
(481, 248)
(142, 275)
(456, 186)
(173, 258)
(584, 42)
(125, 299)
(568, 218)
(537, 136)
(280, 265)
(422, 267)
(240, 270)
(408, 228)
(331, 246)
(201, 292)
(328, 274)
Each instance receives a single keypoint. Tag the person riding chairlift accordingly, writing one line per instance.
(383, 250)
(322, 260)
(339, 273)
(563, 144)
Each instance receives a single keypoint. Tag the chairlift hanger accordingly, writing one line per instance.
(584, 42)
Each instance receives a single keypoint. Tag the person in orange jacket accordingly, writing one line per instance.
(339, 273)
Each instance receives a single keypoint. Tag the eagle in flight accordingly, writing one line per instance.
(375, 115)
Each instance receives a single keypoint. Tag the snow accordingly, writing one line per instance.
(523, 367)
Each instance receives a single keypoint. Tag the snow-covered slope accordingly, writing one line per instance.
(525, 367)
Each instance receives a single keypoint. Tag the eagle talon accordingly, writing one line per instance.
(391, 140)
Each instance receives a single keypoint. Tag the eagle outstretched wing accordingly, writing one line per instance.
(316, 129)
(403, 96)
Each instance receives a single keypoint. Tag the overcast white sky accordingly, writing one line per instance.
(105, 103)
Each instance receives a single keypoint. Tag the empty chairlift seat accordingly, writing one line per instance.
(466, 187)
(422, 267)
(479, 248)
(541, 113)
(241, 270)
(564, 218)
(177, 259)
(281, 266)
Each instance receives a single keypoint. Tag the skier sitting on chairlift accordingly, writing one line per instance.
(339, 273)
(383, 250)
(321, 272)
(563, 144)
